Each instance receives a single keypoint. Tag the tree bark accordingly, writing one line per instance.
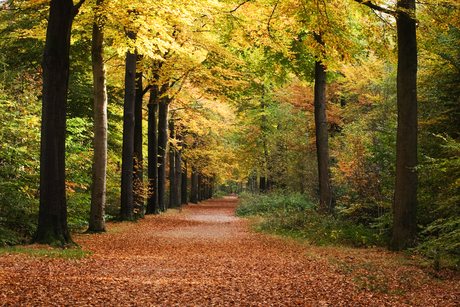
(194, 186)
(52, 225)
(172, 166)
(138, 175)
(152, 196)
(322, 146)
(183, 192)
(405, 203)
(178, 169)
(98, 191)
(127, 206)
(162, 145)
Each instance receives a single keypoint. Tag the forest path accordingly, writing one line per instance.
(202, 256)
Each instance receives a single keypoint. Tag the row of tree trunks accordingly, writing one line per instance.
(202, 187)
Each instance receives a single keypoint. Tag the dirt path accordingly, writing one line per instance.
(204, 256)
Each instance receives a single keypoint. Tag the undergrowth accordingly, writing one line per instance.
(295, 216)
(46, 252)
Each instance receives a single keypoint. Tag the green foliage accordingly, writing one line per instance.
(219, 194)
(49, 252)
(295, 216)
(442, 233)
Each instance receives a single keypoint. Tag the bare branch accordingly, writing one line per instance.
(240, 5)
(375, 7)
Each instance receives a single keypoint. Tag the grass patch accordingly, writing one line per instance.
(45, 251)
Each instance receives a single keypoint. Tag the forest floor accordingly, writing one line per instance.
(205, 256)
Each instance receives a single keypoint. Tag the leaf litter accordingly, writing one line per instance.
(205, 256)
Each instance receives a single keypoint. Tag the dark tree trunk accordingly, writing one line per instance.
(52, 217)
(172, 166)
(194, 187)
(405, 206)
(322, 146)
(162, 144)
(200, 187)
(98, 189)
(263, 185)
(127, 168)
(183, 192)
(178, 169)
(138, 175)
(152, 196)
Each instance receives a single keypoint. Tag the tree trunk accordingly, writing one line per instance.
(194, 186)
(183, 192)
(200, 187)
(98, 191)
(322, 146)
(152, 196)
(172, 166)
(405, 205)
(178, 169)
(52, 216)
(127, 207)
(138, 175)
(162, 144)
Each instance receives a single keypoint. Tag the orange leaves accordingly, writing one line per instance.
(205, 256)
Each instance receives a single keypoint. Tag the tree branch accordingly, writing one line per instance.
(240, 5)
(371, 5)
(76, 7)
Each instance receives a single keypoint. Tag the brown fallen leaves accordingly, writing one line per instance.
(207, 257)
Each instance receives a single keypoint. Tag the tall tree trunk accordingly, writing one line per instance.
(98, 191)
(178, 169)
(172, 166)
(322, 146)
(194, 186)
(162, 145)
(138, 175)
(183, 192)
(52, 216)
(152, 195)
(127, 206)
(405, 203)
(200, 187)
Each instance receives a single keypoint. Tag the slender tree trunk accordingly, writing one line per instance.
(98, 191)
(200, 187)
(322, 146)
(194, 186)
(172, 166)
(405, 205)
(162, 146)
(52, 216)
(138, 175)
(184, 180)
(127, 206)
(152, 196)
(178, 169)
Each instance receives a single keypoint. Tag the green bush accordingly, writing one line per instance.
(293, 215)
(219, 194)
